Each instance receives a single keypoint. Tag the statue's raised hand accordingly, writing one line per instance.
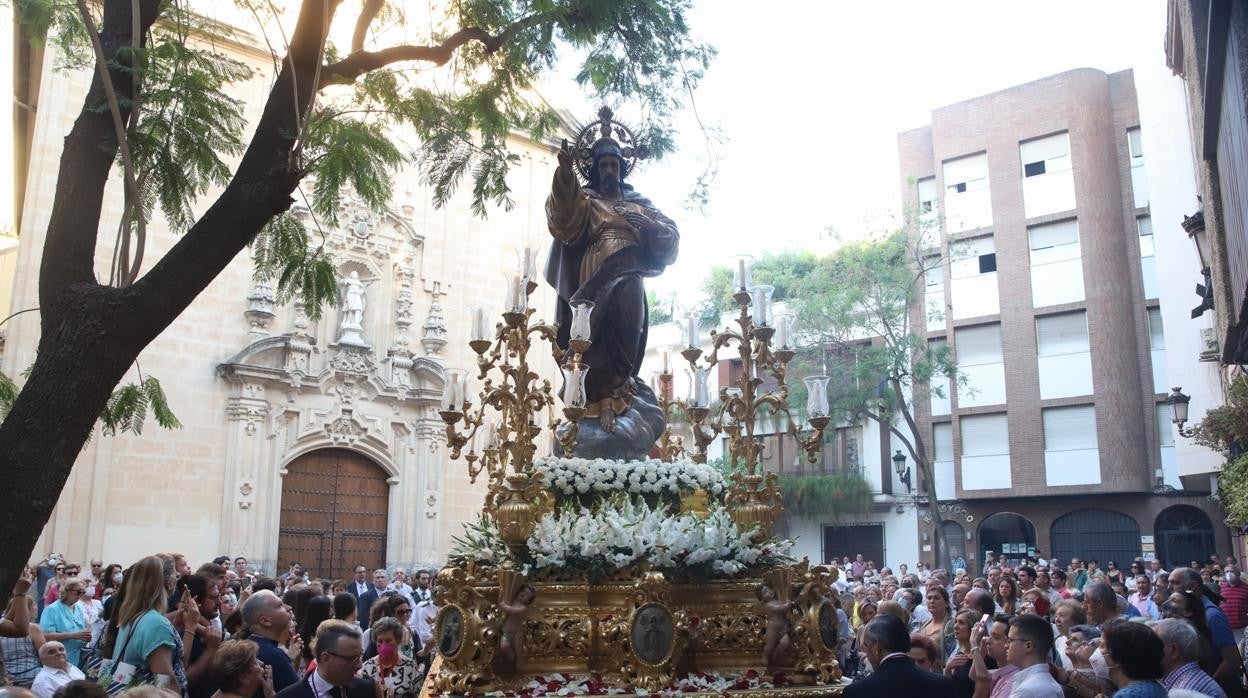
(565, 157)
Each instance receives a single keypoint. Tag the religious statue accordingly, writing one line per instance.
(776, 642)
(513, 625)
(353, 301)
(607, 239)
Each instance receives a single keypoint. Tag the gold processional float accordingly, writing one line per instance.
(595, 575)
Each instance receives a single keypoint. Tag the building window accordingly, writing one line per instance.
(985, 452)
(1071, 456)
(1056, 264)
(981, 361)
(973, 270)
(1063, 355)
(940, 386)
(1157, 349)
(934, 293)
(967, 202)
(927, 195)
(1048, 181)
(1148, 262)
(942, 467)
(1139, 182)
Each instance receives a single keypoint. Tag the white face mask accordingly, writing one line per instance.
(117, 578)
(88, 593)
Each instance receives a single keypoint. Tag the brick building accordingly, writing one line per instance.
(1048, 292)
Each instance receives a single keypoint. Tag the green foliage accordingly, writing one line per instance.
(187, 123)
(125, 411)
(281, 250)
(660, 310)
(832, 496)
(8, 395)
(59, 22)
(785, 271)
(127, 408)
(344, 150)
(1226, 425)
(1233, 491)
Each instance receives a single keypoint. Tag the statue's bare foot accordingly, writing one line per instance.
(607, 420)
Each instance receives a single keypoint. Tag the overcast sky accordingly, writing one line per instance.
(812, 94)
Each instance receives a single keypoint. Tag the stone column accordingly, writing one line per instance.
(247, 451)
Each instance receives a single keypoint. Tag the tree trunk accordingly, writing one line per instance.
(79, 363)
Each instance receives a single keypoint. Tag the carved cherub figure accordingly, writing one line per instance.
(776, 642)
(513, 625)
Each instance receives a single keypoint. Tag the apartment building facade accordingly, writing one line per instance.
(1047, 289)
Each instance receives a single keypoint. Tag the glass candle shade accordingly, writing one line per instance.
(580, 319)
(762, 304)
(574, 385)
(817, 396)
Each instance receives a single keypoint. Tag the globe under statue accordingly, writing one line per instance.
(608, 238)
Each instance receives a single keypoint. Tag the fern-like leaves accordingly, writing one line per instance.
(282, 253)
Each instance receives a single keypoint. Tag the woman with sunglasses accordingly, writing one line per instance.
(63, 621)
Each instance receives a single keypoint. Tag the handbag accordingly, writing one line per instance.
(105, 677)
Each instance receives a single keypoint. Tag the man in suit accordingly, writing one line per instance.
(271, 624)
(886, 643)
(339, 655)
(364, 593)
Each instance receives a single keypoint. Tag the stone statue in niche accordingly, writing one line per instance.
(354, 301)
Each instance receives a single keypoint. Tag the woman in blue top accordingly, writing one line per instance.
(1133, 654)
(145, 639)
(62, 620)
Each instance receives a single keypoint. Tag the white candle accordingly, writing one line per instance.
(464, 389)
(479, 329)
(521, 294)
(693, 330)
(667, 361)
(741, 273)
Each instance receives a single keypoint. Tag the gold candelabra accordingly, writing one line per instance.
(753, 498)
(519, 395)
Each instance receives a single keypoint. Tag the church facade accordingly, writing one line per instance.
(309, 440)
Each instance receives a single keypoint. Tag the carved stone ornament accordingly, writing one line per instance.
(354, 361)
(344, 429)
(433, 337)
(260, 308)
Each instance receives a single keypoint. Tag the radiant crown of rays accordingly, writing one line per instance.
(606, 136)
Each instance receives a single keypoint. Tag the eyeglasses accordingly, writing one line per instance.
(403, 612)
(60, 569)
(353, 658)
(73, 591)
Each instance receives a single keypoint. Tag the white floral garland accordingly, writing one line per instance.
(621, 532)
(573, 476)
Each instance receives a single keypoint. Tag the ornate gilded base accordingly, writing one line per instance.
(636, 633)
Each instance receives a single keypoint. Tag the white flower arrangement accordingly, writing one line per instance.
(623, 531)
(571, 477)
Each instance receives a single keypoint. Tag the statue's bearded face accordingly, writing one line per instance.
(609, 174)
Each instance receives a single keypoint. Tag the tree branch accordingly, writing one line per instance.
(367, 14)
(345, 71)
(69, 250)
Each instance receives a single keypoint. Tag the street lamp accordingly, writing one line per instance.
(1178, 411)
(903, 472)
(1194, 225)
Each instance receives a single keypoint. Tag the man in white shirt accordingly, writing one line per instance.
(1030, 642)
(400, 585)
(56, 671)
(423, 620)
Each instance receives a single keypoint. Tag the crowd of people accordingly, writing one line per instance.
(158, 629)
(1033, 628)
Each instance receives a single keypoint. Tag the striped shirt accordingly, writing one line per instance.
(1191, 678)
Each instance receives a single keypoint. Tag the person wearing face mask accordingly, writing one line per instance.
(397, 673)
(1235, 602)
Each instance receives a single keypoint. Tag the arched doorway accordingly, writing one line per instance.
(335, 505)
(1096, 534)
(1183, 533)
(955, 536)
(1007, 536)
